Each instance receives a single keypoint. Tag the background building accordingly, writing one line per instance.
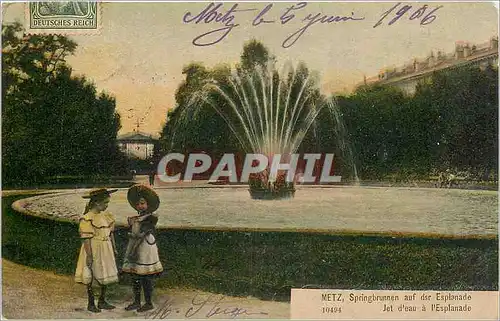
(408, 76)
(137, 145)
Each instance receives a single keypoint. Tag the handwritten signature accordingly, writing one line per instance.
(209, 306)
(217, 14)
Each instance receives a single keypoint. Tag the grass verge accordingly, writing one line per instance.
(268, 264)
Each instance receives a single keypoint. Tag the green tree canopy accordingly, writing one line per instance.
(255, 54)
(451, 122)
(52, 123)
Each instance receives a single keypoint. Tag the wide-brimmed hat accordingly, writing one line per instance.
(136, 192)
(99, 193)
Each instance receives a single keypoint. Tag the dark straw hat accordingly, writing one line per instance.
(136, 192)
(99, 193)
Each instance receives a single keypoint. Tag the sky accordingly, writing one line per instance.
(141, 48)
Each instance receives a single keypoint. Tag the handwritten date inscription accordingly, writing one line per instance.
(424, 14)
(226, 19)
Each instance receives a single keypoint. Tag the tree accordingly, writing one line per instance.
(463, 109)
(255, 54)
(53, 124)
(32, 58)
(450, 123)
(372, 117)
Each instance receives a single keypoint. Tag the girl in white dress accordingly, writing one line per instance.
(97, 254)
(141, 258)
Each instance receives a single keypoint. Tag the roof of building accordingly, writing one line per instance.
(421, 67)
(135, 137)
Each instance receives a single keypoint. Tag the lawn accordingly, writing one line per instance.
(268, 264)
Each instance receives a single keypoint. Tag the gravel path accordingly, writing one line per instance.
(29, 293)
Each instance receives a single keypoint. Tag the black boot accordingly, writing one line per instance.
(137, 296)
(91, 307)
(102, 301)
(147, 286)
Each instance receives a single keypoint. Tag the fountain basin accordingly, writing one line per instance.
(332, 210)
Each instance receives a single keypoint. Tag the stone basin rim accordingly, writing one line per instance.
(19, 206)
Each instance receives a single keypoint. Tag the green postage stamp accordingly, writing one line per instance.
(62, 15)
(250, 160)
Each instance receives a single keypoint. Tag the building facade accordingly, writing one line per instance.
(407, 77)
(137, 145)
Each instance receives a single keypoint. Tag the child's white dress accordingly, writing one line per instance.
(145, 260)
(98, 228)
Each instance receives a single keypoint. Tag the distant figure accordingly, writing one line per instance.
(452, 180)
(152, 175)
(447, 179)
(299, 178)
(442, 180)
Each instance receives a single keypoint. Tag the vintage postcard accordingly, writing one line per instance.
(250, 160)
